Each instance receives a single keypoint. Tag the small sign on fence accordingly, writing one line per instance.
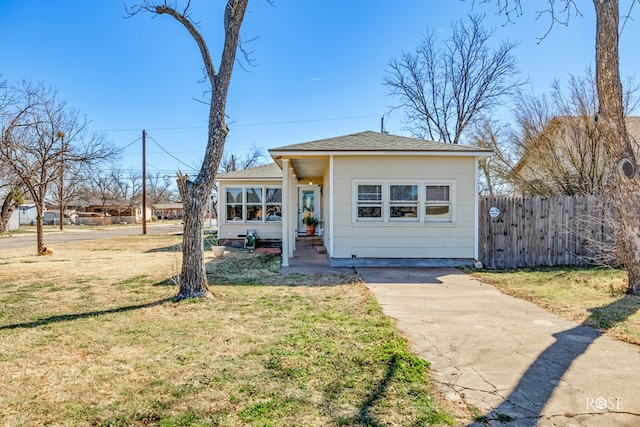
(494, 212)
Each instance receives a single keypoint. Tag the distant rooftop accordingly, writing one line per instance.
(268, 171)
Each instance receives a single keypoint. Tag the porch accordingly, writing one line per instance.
(310, 257)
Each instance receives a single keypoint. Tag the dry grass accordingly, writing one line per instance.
(593, 296)
(92, 336)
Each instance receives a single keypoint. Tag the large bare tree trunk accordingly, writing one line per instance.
(624, 185)
(195, 193)
(193, 278)
(9, 205)
(39, 231)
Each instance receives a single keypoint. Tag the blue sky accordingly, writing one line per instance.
(318, 69)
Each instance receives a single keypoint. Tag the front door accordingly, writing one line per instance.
(308, 204)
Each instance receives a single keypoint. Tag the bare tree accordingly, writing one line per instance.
(11, 193)
(231, 162)
(116, 192)
(99, 190)
(12, 197)
(443, 87)
(559, 140)
(39, 135)
(195, 193)
(496, 169)
(159, 189)
(623, 187)
(75, 178)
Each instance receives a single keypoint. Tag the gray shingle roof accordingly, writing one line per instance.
(375, 141)
(268, 171)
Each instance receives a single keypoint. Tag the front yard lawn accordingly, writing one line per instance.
(92, 336)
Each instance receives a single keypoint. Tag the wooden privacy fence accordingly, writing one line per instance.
(544, 231)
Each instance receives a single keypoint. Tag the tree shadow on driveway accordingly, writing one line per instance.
(525, 404)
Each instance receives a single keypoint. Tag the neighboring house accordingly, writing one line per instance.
(567, 157)
(117, 213)
(381, 200)
(52, 217)
(27, 213)
(168, 210)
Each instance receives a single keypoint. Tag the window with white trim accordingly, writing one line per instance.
(273, 204)
(369, 204)
(438, 203)
(403, 202)
(234, 204)
(253, 204)
(388, 201)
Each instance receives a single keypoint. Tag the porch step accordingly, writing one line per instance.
(268, 251)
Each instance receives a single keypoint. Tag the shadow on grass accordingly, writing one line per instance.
(536, 386)
(173, 248)
(71, 317)
(170, 281)
(363, 417)
(239, 268)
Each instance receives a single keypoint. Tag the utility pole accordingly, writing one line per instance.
(61, 195)
(144, 182)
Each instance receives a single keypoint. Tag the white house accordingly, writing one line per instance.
(14, 221)
(27, 213)
(381, 200)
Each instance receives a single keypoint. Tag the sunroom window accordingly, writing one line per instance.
(273, 200)
(234, 204)
(254, 203)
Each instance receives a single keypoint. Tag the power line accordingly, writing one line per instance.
(232, 124)
(168, 153)
(130, 144)
(626, 18)
(302, 121)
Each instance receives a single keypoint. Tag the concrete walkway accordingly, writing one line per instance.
(518, 364)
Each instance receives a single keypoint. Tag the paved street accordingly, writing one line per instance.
(77, 233)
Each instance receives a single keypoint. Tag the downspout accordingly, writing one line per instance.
(476, 208)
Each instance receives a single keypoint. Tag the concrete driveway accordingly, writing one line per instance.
(518, 364)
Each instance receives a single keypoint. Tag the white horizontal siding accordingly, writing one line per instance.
(404, 239)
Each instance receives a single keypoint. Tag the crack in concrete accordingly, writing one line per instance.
(550, 417)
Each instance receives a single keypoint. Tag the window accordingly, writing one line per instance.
(369, 205)
(438, 203)
(249, 204)
(403, 202)
(234, 204)
(273, 205)
(254, 203)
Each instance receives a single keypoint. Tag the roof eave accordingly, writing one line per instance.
(319, 153)
(255, 178)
